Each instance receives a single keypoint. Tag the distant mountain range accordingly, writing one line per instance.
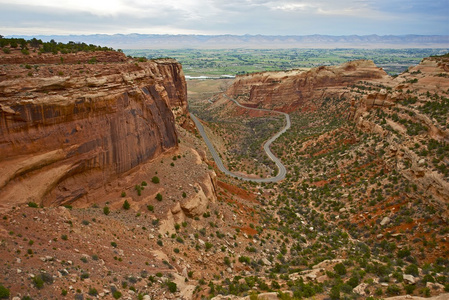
(166, 41)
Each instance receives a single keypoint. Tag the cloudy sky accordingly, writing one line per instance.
(270, 17)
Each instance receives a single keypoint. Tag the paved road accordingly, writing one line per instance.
(282, 171)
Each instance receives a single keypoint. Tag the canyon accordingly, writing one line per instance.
(108, 191)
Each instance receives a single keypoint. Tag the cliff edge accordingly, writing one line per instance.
(71, 123)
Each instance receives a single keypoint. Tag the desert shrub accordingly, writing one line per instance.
(159, 197)
(155, 179)
(393, 290)
(93, 291)
(33, 204)
(106, 210)
(116, 294)
(126, 205)
(208, 245)
(172, 287)
(340, 269)
(409, 288)
(4, 292)
(244, 259)
(412, 269)
(38, 281)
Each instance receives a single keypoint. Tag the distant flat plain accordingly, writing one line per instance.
(215, 62)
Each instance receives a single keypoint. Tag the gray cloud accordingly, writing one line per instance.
(283, 17)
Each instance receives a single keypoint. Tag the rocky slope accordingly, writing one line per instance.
(71, 123)
(367, 184)
(410, 113)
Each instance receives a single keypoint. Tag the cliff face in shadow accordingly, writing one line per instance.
(71, 127)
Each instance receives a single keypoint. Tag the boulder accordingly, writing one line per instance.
(409, 279)
(360, 289)
(385, 221)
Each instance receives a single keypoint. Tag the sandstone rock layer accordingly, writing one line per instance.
(66, 129)
(292, 90)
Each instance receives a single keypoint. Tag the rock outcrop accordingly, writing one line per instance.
(292, 90)
(68, 128)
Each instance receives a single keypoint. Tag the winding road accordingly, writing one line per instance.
(282, 170)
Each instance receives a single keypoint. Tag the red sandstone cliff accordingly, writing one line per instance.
(292, 90)
(69, 128)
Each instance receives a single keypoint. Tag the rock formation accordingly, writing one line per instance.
(292, 90)
(69, 128)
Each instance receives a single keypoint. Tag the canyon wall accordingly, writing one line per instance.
(292, 90)
(68, 127)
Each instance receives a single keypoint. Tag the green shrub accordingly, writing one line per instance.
(172, 287)
(123, 194)
(393, 290)
(4, 292)
(93, 291)
(114, 244)
(38, 281)
(340, 269)
(116, 294)
(155, 179)
(412, 269)
(244, 259)
(126, 205)
(150, 207)
(334, 293)
(159, 197)
(409, 288)
(138, 188)
(208, 245)
(106, 210)
(33, 204)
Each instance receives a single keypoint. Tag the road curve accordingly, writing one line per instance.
(282, 170)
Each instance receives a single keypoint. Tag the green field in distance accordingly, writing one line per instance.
(211, 62)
